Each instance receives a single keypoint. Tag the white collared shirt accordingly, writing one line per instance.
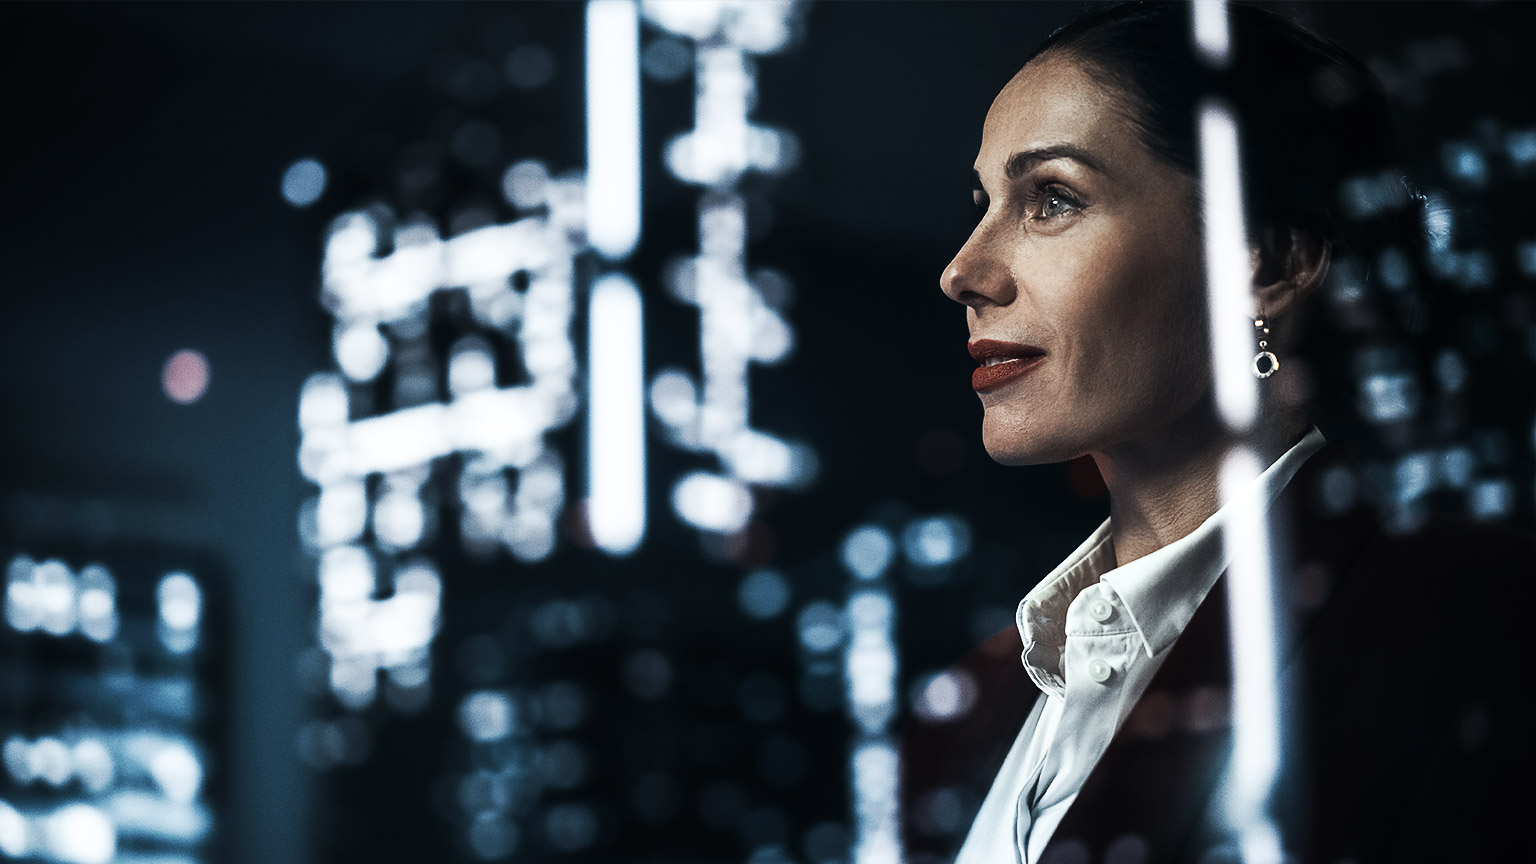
(1094, 635)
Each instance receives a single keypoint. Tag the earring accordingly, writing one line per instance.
(1265, 363)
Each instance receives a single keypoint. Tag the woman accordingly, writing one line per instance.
(1406, 677)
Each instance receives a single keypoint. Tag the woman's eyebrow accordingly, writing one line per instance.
(1020, 164)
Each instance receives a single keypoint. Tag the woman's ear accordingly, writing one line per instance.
(1288, 265)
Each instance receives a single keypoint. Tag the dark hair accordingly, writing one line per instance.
(1311, 118)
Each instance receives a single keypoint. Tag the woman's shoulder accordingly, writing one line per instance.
(1340, 546)
(956, 738)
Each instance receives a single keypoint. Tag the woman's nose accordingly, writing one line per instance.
(976, 277)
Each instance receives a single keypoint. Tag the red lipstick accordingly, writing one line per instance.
(1001, 362)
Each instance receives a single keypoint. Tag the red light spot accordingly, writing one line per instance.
(185, 376)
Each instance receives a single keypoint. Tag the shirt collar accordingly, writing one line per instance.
(1160, 591)
(1042, 614)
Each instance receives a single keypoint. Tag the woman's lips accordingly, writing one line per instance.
(1001, 362)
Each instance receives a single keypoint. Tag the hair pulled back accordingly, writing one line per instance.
(1311, 118)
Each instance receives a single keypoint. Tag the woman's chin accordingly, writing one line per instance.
(1008, 444)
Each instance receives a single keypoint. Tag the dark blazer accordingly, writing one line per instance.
(1409, 679)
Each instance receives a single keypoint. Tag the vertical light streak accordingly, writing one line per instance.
(1212, 36)
(616, 422)
(613, 127)
(1255, 635)
(870, 666)
(1227, 269)
(1250, 604)
(875, 768)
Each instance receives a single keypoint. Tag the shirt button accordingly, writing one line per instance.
(1099, 671)
(1100, 610)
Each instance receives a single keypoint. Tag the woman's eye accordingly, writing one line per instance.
(1054, 203)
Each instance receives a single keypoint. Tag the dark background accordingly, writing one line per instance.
(143, 152)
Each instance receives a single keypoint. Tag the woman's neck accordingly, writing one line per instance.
(1162, 487)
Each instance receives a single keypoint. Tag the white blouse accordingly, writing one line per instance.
(1094, 635)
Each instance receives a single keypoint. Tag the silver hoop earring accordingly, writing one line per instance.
(1265, 363)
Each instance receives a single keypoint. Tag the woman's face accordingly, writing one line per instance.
(1082, 280)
